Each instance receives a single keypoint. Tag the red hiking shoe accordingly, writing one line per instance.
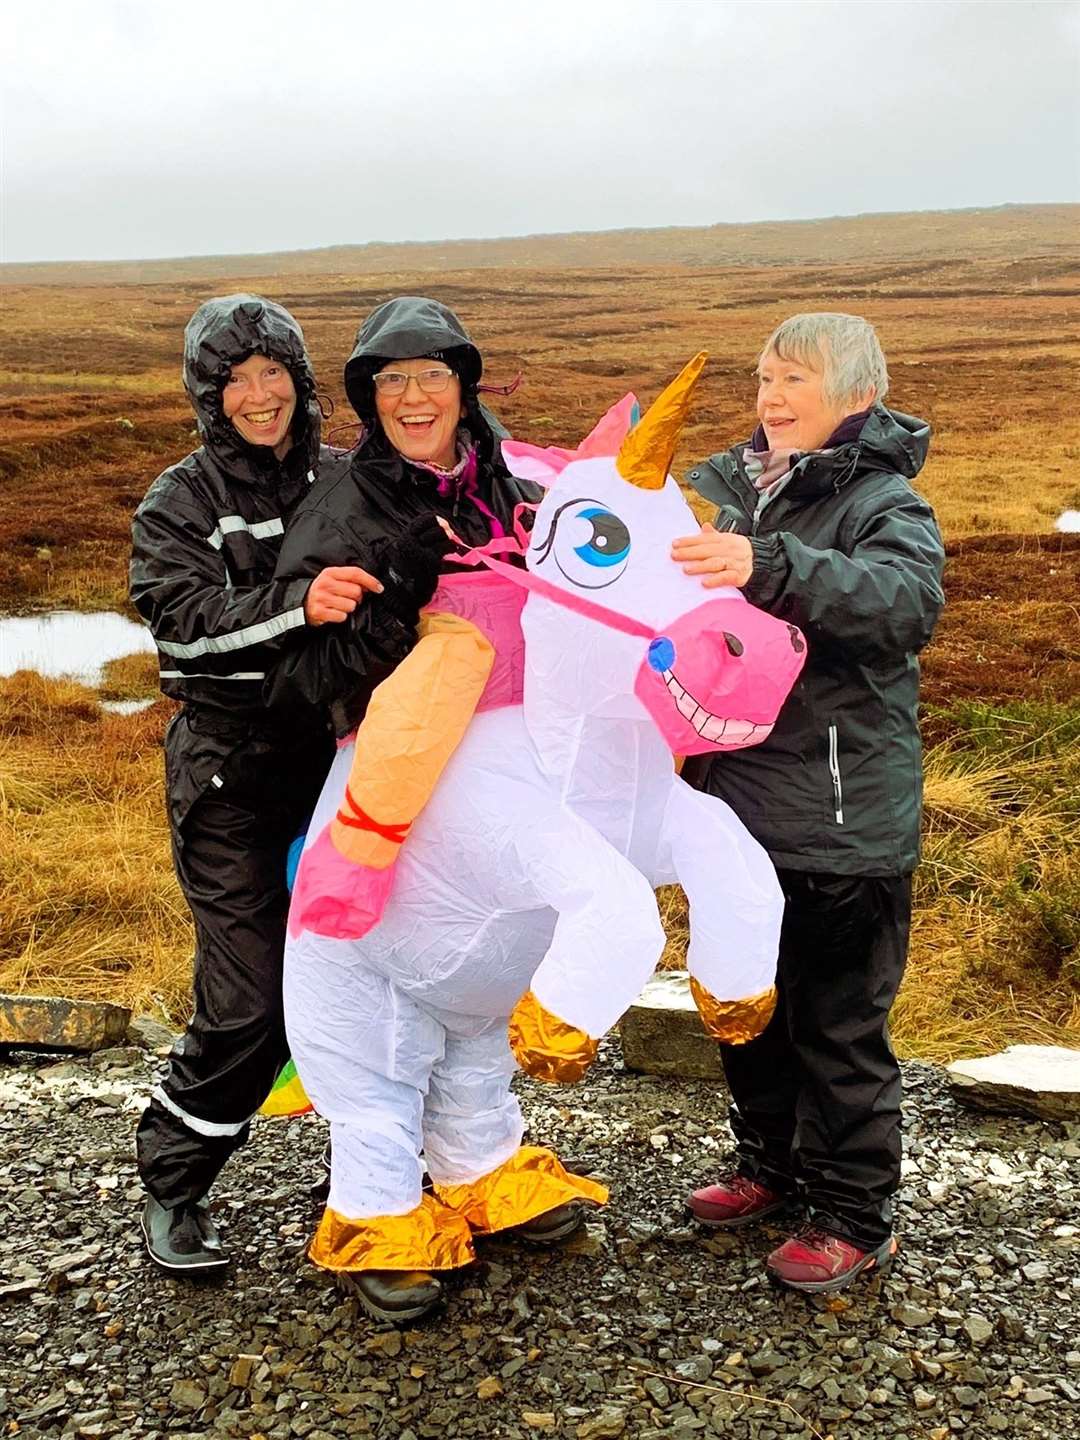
(818, 1263)
(733, 1201)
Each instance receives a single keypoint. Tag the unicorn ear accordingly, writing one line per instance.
(533, 462)
(543, 465)
(611, 429)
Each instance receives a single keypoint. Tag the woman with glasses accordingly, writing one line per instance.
(429, 453)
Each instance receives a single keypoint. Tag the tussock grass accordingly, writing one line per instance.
(88, 903)
(130, 677)
(995, 954)
(982, 338)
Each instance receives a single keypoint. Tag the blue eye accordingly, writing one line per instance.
(588, 543)
(609, 543)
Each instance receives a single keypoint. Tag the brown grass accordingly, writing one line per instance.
(88, 903)
(130, 677)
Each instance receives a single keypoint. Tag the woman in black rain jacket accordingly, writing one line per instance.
(243, 769)
(818, 524)
(425, 454)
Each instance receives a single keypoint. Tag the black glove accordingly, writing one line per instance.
(411, 564)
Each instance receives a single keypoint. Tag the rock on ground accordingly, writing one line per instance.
(662, 1033)
(50, 1022)
(1038, 1080)
(652, 1329)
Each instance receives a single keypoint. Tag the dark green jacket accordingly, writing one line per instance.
(853, 556)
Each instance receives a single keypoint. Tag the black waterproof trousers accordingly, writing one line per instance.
(238, 794)
(817, 1094)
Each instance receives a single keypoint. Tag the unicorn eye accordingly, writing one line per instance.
(589, 544)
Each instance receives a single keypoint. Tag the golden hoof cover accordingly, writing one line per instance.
(530, 1183)
(546, 1047)
(734, 1021)
(431, 1237)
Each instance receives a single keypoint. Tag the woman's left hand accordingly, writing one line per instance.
(723, 559)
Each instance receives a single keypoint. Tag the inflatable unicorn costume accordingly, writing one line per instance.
(519, 920)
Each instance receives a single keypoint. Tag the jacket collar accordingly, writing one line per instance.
(888, 441)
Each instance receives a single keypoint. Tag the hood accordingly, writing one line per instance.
(889, 441)
(405, 329)
(224, 332)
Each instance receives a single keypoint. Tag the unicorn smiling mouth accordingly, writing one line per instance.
(707, 725)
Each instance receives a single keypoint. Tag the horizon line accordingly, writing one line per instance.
(536, 235)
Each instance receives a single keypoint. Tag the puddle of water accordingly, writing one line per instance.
(1069, 521)
(69, 643)
(126, 707)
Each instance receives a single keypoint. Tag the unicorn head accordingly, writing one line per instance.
(710, 673)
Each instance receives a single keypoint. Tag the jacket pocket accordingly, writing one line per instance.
(194, 764)
(834, 774)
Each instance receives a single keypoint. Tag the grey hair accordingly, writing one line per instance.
(843, 347)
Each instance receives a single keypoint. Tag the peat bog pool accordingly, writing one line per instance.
(68, 643)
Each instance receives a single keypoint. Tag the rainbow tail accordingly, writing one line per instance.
(288, 1097)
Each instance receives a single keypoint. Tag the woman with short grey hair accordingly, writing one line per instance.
(818, 524)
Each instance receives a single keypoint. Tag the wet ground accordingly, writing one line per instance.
(644, 1328)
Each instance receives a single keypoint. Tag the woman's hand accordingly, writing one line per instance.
(723, 559)
(335, 593)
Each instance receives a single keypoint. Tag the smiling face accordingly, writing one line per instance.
(632, 633)
(793, 408)
(260, 399)
(420, 426)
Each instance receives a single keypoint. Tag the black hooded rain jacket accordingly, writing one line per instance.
(353, 512)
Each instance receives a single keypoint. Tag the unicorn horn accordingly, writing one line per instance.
(646, 454)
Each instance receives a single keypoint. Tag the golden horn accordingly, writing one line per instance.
(645, 455)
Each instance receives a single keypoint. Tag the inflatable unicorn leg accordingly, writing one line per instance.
(606, 943)
(736, 906)
(366, 1062)
(472, 1130)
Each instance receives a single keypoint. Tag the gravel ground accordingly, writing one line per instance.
(645, 1328)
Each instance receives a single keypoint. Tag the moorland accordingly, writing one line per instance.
(979, 313)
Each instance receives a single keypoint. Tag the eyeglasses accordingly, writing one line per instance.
(396, 382)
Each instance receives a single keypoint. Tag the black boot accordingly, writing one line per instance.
(182, 1239)
(394, 1295)
(552, 1226)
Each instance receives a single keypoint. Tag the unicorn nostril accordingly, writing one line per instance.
(662, 654)
(798, 644)
(734, 644)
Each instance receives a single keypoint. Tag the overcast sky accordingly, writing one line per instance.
(138, 129)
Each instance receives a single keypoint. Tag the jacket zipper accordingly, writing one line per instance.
(834, 771)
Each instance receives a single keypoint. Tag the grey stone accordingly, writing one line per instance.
(188, 1394)
(150, 1034)
(699, 1368)
(1039, 1080)
(978, 1329)
(662, 1033)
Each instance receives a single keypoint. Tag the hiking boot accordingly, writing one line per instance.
(394, 1295)
(735, 1200)
(182, 1239)
(816, 1262)
(552, 1226)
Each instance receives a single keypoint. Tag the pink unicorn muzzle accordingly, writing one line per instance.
(716, 677)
